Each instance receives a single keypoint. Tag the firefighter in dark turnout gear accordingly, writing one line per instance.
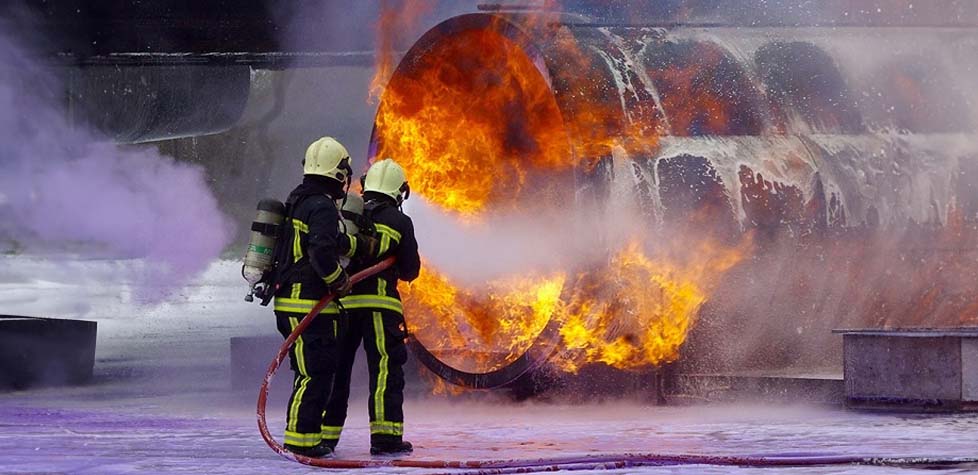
(309, 269)
(376, 316)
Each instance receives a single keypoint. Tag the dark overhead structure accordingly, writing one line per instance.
(129, 59)
(145, 71)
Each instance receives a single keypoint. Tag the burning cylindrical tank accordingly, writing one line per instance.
(720, 141)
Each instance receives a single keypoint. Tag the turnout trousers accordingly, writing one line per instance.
(313, 358)
(382, 333)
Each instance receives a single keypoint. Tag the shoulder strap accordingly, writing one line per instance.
(285, 270)
(370, 208)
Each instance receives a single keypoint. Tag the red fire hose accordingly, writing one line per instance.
(592, 462)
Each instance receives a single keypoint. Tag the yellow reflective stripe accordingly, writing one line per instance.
(280, 307)
(299, 439)
(302, 306)
(297, 290)
(384, 229)
(300, 391)
(353, 245)
(387, 427)
(386, 235)
(380, 341)
(303, 381)
(332, 432)
(299, 225)
(299, 345)
(297, 240)
(329, 279)
(373, 301)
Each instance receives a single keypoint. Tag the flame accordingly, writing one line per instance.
(631, 313)
(637, 312)
(473, 121)
(396, 17)
(500, 319)
(439, 387)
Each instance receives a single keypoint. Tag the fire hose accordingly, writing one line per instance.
(590, 462)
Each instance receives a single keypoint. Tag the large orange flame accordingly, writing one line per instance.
(633, 312)
(637, 312)
(473, 122)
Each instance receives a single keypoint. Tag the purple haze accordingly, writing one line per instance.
(65, 187)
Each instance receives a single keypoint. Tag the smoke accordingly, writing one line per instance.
(64, 187)
(498, 245)
(537, 240)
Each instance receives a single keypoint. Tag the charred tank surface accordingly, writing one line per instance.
(831, 151)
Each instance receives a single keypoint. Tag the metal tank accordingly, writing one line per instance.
(773, 130)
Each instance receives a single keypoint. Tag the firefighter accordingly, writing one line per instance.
(309, 269)
(376, 317)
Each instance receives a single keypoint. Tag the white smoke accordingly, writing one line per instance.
(66, 188)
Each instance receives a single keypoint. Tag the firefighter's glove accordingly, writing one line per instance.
(366, 246)
(341, 286)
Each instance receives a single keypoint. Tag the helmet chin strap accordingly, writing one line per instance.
(405, 191)
(348, 171)
(345, 166)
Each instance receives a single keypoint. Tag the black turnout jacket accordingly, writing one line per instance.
(394, 231)
(313, 245)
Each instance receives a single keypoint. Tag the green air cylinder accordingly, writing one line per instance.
(265, 230)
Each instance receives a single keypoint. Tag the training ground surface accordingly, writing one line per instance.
(161, 403)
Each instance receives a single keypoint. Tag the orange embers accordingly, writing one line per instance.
(630, 313)
(474, 122)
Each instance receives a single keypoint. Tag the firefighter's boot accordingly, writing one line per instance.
(389, 445)
(319, 451)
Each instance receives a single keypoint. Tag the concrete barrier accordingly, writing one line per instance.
(911, 369)
(45, 351)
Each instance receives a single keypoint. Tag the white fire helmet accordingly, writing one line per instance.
(387, 177)
(327, 157)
